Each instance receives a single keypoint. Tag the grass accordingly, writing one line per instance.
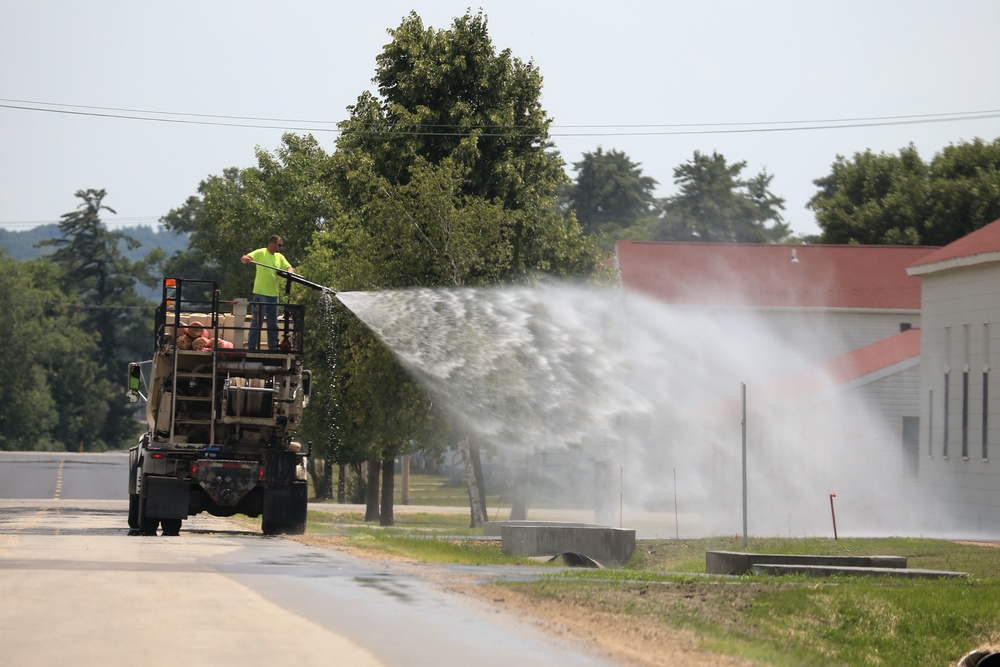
(689, 555)
(799, 620)
(771, 620)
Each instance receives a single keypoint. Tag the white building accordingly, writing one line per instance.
(960, 397)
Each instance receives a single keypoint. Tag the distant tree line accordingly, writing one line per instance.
(870, 198)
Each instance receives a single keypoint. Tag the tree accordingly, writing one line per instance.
(610, 192)
(55, 394)
(445, 179)
(447, 95)
(716, 204)
(289, 193)
(27, 409)
(95, 271)
(900, 199)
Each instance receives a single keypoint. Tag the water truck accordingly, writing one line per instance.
(221, 419)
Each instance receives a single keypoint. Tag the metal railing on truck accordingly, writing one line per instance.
(188, 303)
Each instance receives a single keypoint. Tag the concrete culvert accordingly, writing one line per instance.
(981, 657)
(576, 560)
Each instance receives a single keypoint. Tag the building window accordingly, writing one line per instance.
(965, 391)
(911, 447)
(930, 422)
(986, 391)
(947, 392)
(944, 440)
(986, 415)
(965, 414)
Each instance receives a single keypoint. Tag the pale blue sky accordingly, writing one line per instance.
(625, 63)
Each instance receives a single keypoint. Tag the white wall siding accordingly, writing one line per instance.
(961, 337)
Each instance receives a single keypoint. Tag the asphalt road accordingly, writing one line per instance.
(76, 589)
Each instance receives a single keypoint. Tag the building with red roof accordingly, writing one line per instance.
(851, 318)
(852, 277)
(824, 300)
(959, 386)
(894, 348)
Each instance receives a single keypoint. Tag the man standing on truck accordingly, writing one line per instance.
(265, 290)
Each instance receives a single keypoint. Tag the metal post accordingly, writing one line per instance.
(743, 391)
(677, 526)
(833, 515)
(621, 497)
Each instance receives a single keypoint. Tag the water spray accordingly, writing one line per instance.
(587, 375)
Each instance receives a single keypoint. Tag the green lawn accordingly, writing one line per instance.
(781, 621)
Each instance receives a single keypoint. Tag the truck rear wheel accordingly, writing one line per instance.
(133, 513)
(171, 527)
(147, 526)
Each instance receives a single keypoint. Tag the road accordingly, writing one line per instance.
(76, 589)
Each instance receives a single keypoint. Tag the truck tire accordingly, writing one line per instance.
(133, 513)
(298, 525)
(147, 526)
(171, 527)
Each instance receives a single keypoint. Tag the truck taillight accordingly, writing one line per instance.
(194, 469)
(260, 473)
(157, 455)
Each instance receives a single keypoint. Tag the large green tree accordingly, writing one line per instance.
(610, 193)
(95, 271)
(448, 98)
(27, 408)
(56, 394)
(716, 203)
(289, 192)
(446, 179)
(884, 198)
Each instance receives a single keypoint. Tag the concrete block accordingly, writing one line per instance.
(732, 562)
(606, 545)
(493, 528)
(831, 570)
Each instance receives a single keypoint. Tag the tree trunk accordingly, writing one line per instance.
(342, 484)
(477, 470)
(371, 492)
(388, 478)
(404, 473)
(359, 493)
(314, 473)
(325, 490)
(475, 508)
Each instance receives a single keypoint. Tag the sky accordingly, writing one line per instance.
(145, 100)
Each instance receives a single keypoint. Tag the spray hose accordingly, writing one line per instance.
(295, 278)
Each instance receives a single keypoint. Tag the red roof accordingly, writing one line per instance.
(985, 240)
(837, 371)
(855, 364)
(804, 276)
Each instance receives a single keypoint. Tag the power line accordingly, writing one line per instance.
(741, 127)
(137, 221)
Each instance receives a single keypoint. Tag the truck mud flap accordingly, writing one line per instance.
(284, 505)
(167, 498)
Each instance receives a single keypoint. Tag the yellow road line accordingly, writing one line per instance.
(59, 478)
